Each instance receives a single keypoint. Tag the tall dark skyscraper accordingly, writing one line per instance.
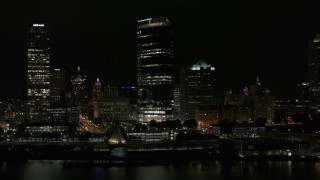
(80, 90)
(198, 89)
(314, 72)
(57, 85)
(38, 71)
(155, 69)
(79, 81)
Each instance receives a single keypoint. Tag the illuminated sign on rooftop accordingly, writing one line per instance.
(38, 25)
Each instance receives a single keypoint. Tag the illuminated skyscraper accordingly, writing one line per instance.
(155, 69)
(97, 95)
(314, 72)
(38, 71)
(79, 81)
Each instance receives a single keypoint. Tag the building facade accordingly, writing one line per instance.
(97, 95)
(198, 89)
(80, 91)
(38, 71)
(259, 100)
(155, 69)
(176, 104)
(314, 72)
(57, 85)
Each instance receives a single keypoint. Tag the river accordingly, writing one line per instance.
(188, 170)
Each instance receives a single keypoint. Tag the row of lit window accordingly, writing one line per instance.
(144, 36)
(34, 66)
(156, 65)
(151, 25)
(154, 112)
(35, 50)
(38, 79)
(157, 83)
(38, 55)
(147, 44)
(43, 75)
(145, 55)
(163, 77)
(156, 80)
(44, 96)
(39, 90)
(154, 50)
(35, 71)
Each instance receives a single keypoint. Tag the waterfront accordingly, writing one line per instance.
(63, 170)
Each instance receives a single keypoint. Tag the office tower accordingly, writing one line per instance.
(176, 104)
(155, 69)
(96, 97)
(79, 83)
(314, 72)
(303, 93)
(97, 92)
(198, 89)
(130, 92)
(57, 86)
(261, 102)
(38, 71)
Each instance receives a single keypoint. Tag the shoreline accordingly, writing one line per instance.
(144, 152)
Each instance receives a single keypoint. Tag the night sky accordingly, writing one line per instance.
(242, 39)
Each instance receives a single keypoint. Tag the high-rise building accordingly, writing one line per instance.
(38, 71)
(79, 83)
(258, 98)
(155, 69)
(96, 97)
(97, 92)
(198, 89)
(303, 93)
(314, 72)
(176, 104)
(131, 93)
(57, 85)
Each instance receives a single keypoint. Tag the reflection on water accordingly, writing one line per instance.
(83, 170)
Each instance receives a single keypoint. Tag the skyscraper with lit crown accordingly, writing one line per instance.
(38, 71)
(155, 69)
(79, 83)
(198, 89)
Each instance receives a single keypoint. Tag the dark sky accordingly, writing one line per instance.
(242, 39)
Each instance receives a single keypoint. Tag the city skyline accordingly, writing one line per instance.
(225, 34)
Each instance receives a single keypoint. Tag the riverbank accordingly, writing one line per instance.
(225, 150)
